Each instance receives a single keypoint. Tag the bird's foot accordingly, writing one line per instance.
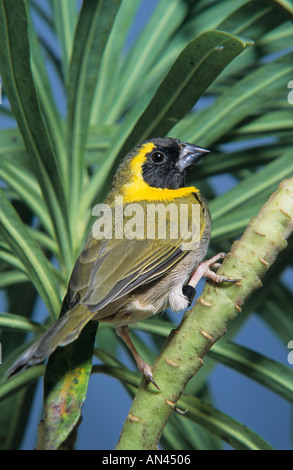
(204, 270)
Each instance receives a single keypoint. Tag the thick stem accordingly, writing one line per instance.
(201, 327)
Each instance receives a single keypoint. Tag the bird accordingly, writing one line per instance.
(144, 252)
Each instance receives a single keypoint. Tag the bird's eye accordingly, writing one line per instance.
(158, 157)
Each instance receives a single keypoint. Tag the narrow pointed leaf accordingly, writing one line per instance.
(12, 277)
(16, 406)
(20, 323)
(271, 374)
(22, 244)
(55, 127)
(253, 19)
(286, 6)
(11, 142)
(228, 429)
(153, 39)
(21, 380)
(65, 17)
(15, 69)
(194, 70)
(65, 387)
(267, 178)
(27, 188)
(92, 31)
(17, 80)
(110, 68)
(238, 102)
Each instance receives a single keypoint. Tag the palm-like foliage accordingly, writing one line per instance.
(54, 169)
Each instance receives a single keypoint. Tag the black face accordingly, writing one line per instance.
(159, 170)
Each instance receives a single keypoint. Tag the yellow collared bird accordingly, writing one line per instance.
(124, 279)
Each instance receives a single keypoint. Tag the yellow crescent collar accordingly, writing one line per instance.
(138, 190)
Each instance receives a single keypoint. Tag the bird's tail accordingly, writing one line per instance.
(66, 329)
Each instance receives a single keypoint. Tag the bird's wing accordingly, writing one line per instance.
(120, 266)
(108, 269)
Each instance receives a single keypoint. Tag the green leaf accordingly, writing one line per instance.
(65, 386)
(20, 323)
(15, 409)
(153, 39)
(55, 127)
(6, 112)
(18, 382)
(277, 39)
(276, 311)
(109, 75)
(272, 291)
(119, 372)
(228, 429)
(218, 163)
(45, 242)
(28, 252)
(253, 19)
(19, 85)
(286, 6)
(193, 71)
(65, 17)
(265, 371)
(16, 397)
(12, 277)
(35, 5)
(232, 224)
(275, 121)
(99, 139)
(11, 142)
(25, 185)
(92, 31)
(15, 414)
(267, 178)
(184, 434)
(11, 259)
(206, 18)
(238, 102)
(231, 431)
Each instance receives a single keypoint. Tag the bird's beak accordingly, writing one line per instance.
(190, 154)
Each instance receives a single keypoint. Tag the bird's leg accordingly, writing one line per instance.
(204, 270)
(143, 366)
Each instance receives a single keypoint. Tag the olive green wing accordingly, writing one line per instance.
(105, 271)
(108, 269)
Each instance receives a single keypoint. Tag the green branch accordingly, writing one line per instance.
(182, 356)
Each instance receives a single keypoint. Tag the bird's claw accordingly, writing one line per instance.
(147, 372)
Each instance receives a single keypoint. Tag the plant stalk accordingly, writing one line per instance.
(182, 356)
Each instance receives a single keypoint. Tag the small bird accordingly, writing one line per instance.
(134, 266)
